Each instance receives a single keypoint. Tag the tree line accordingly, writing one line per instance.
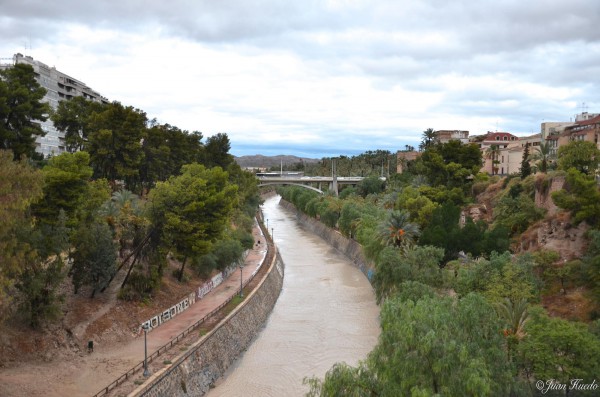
(128, 195)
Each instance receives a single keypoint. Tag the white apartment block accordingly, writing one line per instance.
(59, 87)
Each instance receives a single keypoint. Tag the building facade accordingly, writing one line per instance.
(59, 87)
(445, 136)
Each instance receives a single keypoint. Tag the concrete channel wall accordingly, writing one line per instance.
(350, 248)
(195, 371)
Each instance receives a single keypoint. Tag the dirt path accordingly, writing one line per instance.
(86, 374)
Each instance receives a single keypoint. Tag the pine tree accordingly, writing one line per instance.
(525, 166)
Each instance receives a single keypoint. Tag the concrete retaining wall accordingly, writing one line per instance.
(346, 246)
(208, 359)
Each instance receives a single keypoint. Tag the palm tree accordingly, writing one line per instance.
(514, 314)
(492, 153)
(542, 156)
(428, 139)
(397, 230)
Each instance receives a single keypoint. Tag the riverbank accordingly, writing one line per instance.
(348, 247)
(80, 373)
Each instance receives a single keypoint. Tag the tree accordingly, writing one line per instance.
(450, 164)
(542, 156)
(558, 349)
(124, 214)
(371, 185)
(432, 346)
(441, 346)
(41, 269)
(217, 151)
(38, 284)
(395, 267)
(517, 213)
(21, 110)
(580, 196)
(397, 230)
(20, 185)
(227, 252)
(419, 206)
(592, 264)
(65, 187)
(72, 118)
(492, 153)
(94, 257)
(584, 156)
(525, 166)
(344, 380)
(115, 143)
(192, 210)
(443, 231)
(513, 279)
(350, 216)
(428, 139)
(166, 148)
(514, 314)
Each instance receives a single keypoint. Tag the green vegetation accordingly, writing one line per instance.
(21, 111)
(461, 313)
(129, 195)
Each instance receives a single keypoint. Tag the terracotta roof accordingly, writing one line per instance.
(594, 120)
(579, 124)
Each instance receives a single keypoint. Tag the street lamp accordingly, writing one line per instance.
(241, 279)
(272, 235)
(146, 372)
(267, 224)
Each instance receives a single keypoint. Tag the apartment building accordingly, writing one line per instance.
(549, 128)
(59, 87)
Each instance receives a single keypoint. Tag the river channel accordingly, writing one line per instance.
(326, 313)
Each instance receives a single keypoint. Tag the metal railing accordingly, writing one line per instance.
(164, 348)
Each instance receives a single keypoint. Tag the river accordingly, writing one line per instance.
(326, 313)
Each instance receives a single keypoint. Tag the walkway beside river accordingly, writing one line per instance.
(88, 374)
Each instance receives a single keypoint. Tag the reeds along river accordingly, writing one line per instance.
(326, 313)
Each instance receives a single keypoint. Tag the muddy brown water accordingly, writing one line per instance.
(326, 313)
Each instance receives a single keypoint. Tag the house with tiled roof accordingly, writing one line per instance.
(584, 130)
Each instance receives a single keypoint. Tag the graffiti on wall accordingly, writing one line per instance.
(209, 286)
(169, 313)
(187, 302)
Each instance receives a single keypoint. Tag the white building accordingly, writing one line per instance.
(59, 87)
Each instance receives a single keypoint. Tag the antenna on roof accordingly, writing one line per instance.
(584, 108)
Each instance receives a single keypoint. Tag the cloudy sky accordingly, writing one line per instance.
(323, 78)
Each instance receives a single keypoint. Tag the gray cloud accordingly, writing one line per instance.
(519, 62)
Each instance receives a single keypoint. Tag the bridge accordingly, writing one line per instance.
(309, 182)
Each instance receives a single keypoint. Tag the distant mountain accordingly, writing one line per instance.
(259, 160)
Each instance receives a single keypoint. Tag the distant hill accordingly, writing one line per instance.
(259, 160)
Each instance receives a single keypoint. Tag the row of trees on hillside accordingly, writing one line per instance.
(128, 195)
(373, 162)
